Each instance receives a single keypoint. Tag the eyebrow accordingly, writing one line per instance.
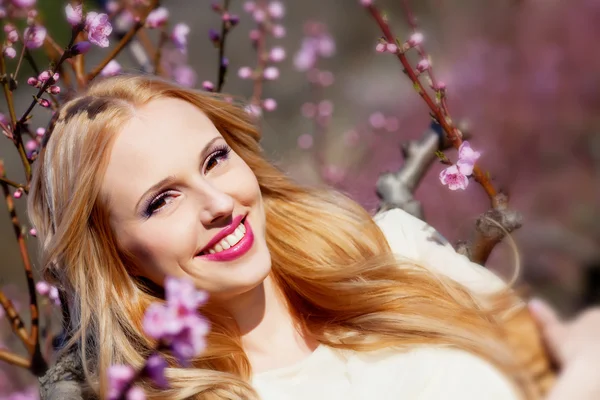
(172, 178)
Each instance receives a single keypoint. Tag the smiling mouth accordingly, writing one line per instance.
(228, 241)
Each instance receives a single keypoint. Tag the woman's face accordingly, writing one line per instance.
(181, 203)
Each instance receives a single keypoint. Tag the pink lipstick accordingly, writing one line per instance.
(235, 251)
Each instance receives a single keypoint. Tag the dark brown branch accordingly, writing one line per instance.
(487, 233)
(222, 67)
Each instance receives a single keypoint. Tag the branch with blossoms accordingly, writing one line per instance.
(177, 327)
(266, 16)
(87, 29)
(457, 175)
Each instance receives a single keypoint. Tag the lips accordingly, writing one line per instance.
(228, 230)
(235, 251)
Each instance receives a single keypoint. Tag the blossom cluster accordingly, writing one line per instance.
(456, 176)
(174, 323)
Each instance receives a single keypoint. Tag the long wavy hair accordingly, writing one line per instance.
(330, 260)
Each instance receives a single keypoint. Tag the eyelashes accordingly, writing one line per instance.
(218, 155)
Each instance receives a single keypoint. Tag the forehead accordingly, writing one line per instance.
(161, 139)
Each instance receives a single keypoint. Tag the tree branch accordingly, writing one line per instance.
(14, 359)
(395, 189)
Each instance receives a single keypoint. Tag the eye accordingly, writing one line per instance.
(159, 202)
(219, 155)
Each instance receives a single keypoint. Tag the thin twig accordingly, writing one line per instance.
(222, 67)
(13, 183)
(14, 359)
(20, 62)
(454, 135)
(158, 53)
(15, 320)
(34, 333)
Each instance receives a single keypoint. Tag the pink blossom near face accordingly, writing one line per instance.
(164, 229)
(157, 17)
(185, 75)
(111, 69)
(74, 14)
(99, 28)
(179, 36)
(34, 36)
(453, 178)
(118, 377)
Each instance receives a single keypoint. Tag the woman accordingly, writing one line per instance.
(141, 179)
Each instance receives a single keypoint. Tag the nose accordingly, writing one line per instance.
(217, 205)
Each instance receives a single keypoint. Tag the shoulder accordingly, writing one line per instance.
(413, 239)
(438, 372)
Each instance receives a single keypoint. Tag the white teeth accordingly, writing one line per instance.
(229, 240)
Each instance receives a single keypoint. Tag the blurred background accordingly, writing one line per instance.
(523, 77)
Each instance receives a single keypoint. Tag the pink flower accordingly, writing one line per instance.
(208, 86)
(155, 367)
(269, 104)
(74, 14)
(271, 73)
(380, 47)
(43, 288)
(23, 3)
(177, 322)
(185, 76)
(111, 69)
(277, 54)
(10, 52)
(118, 377)
(415, 39)
(157, 17)
(276, 9)
(34, 36)
(179, 36)
(467, 158)
(135, 393)
(99, 28)
(33, 232)
(245, 72)
(423, 65)
(454, 178)
(278, 31)
(366, 3)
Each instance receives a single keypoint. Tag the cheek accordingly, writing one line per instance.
(160, 245)
(246, 185)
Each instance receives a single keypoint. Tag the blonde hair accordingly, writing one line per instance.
(329, 259)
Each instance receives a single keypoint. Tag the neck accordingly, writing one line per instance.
(270, 336)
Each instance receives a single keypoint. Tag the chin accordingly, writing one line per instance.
(226, 280)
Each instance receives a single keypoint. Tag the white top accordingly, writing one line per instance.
(424, 373)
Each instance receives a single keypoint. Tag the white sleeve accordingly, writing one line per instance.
(461, 375)
(411, 238)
